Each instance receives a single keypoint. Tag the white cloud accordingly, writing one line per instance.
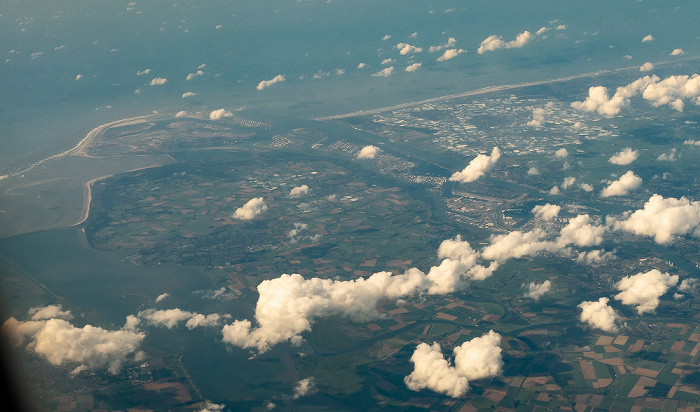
(187, 94)
(267, 83)
(59, 342)
(450, 43)
(386, 72)
(158, 81)
(533, 171)
(689, 285)
(568, 182)
(537, 290)
(624, 157)
(480, 165)
(495, 42)
(517, 244)
(195, 74)
(586, 187)
(181, 113)
(293, 233)
(303, 387)
(554, 191)
(622, 186)
(537, 118)
(386, 37)
(594, 257)
(289, 305)
(663, 219)
(361, 66)
(598, 100)
(691, 142)
(171, 318)
(677, 52)
(646, 67)
(386, 61)
(648, 38)
(368, 152)
(299, 191)
(643, 290)
(252, 208)
(405, 48)
(145, 71)
(547, 211)
(212, 407)
(219, 114)
(450, 54)
(542, 30)
(161, 297)
(413, 67)
(669, 156)
(672, 90)
(339, 72)
(599, 315)
(78, 77)
(414, 35)
(581, 231)
(561, 153)
(50, 312)
(476, 359)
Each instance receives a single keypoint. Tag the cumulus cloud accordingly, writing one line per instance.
(219, 114)
(299, 191)
(594, 257)
(368, 152)
(643, 290)
(561, 153)
(298, 227)
(361, 66)
(677, 52)
(670, 91)
(252, 208)
(495, 42)
(158, 81)
(303, 387)
(568, 182)
(195, 74)
(450, 54)
(413, 67)
(145, 71)
(475, 359)
(267, 83)
(624, 157)
(648, 38)
(477, 167)
(450, 43)
(161, 297)
(586, 187)
(181, 113)
(689, 285)
(289, 305)
(581, 231)
(50, 312)
(662, 219)
(386, 61)
(386, 37)
(669, 156)
(537, 290)
(622, 186)
(599, 315)
(547, 211)
(646, 67)
(78, 77)
(533, 171)
(171, 318)
(386, 72)
(187, 94)
(59, 342)
(405, 48)
(537, 118)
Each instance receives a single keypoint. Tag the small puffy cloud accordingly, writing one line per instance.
(252, 208)
(554, 191)
(662, 219)
(78, 77)
(670, 156)
(622, 186)
(594, 257)
(361, 66)
(689, 285)
(476, 359)
(59, 342)
(598, 100)
(386, 61)
(624, 157)
(267, 83)
(158, 81)
(517, 244)
(677, 52)
(450, 43)
(195, 74)
(547, 211)
(303, 387)
(161, 297)
(533, 171)
(212, 407)
(299, 191)
(219, 114)
(646, 67)
(141, 72)
(187, 94)
(537, 290)
(405, 48)
(537, 118)
(413, 67)
(561, 153)
(495, 42)
(643, 290)
(581, 231)
(50, 312)
(568, 182)
(170, 318)
(181, 113)
(542, 30)
(386, 37)
(599, 315)
(386, 72)
(586, 187)
(477, 167)
(672, 90)
(648, 38)
(298, 227)
(368, 152)
(450, 54)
